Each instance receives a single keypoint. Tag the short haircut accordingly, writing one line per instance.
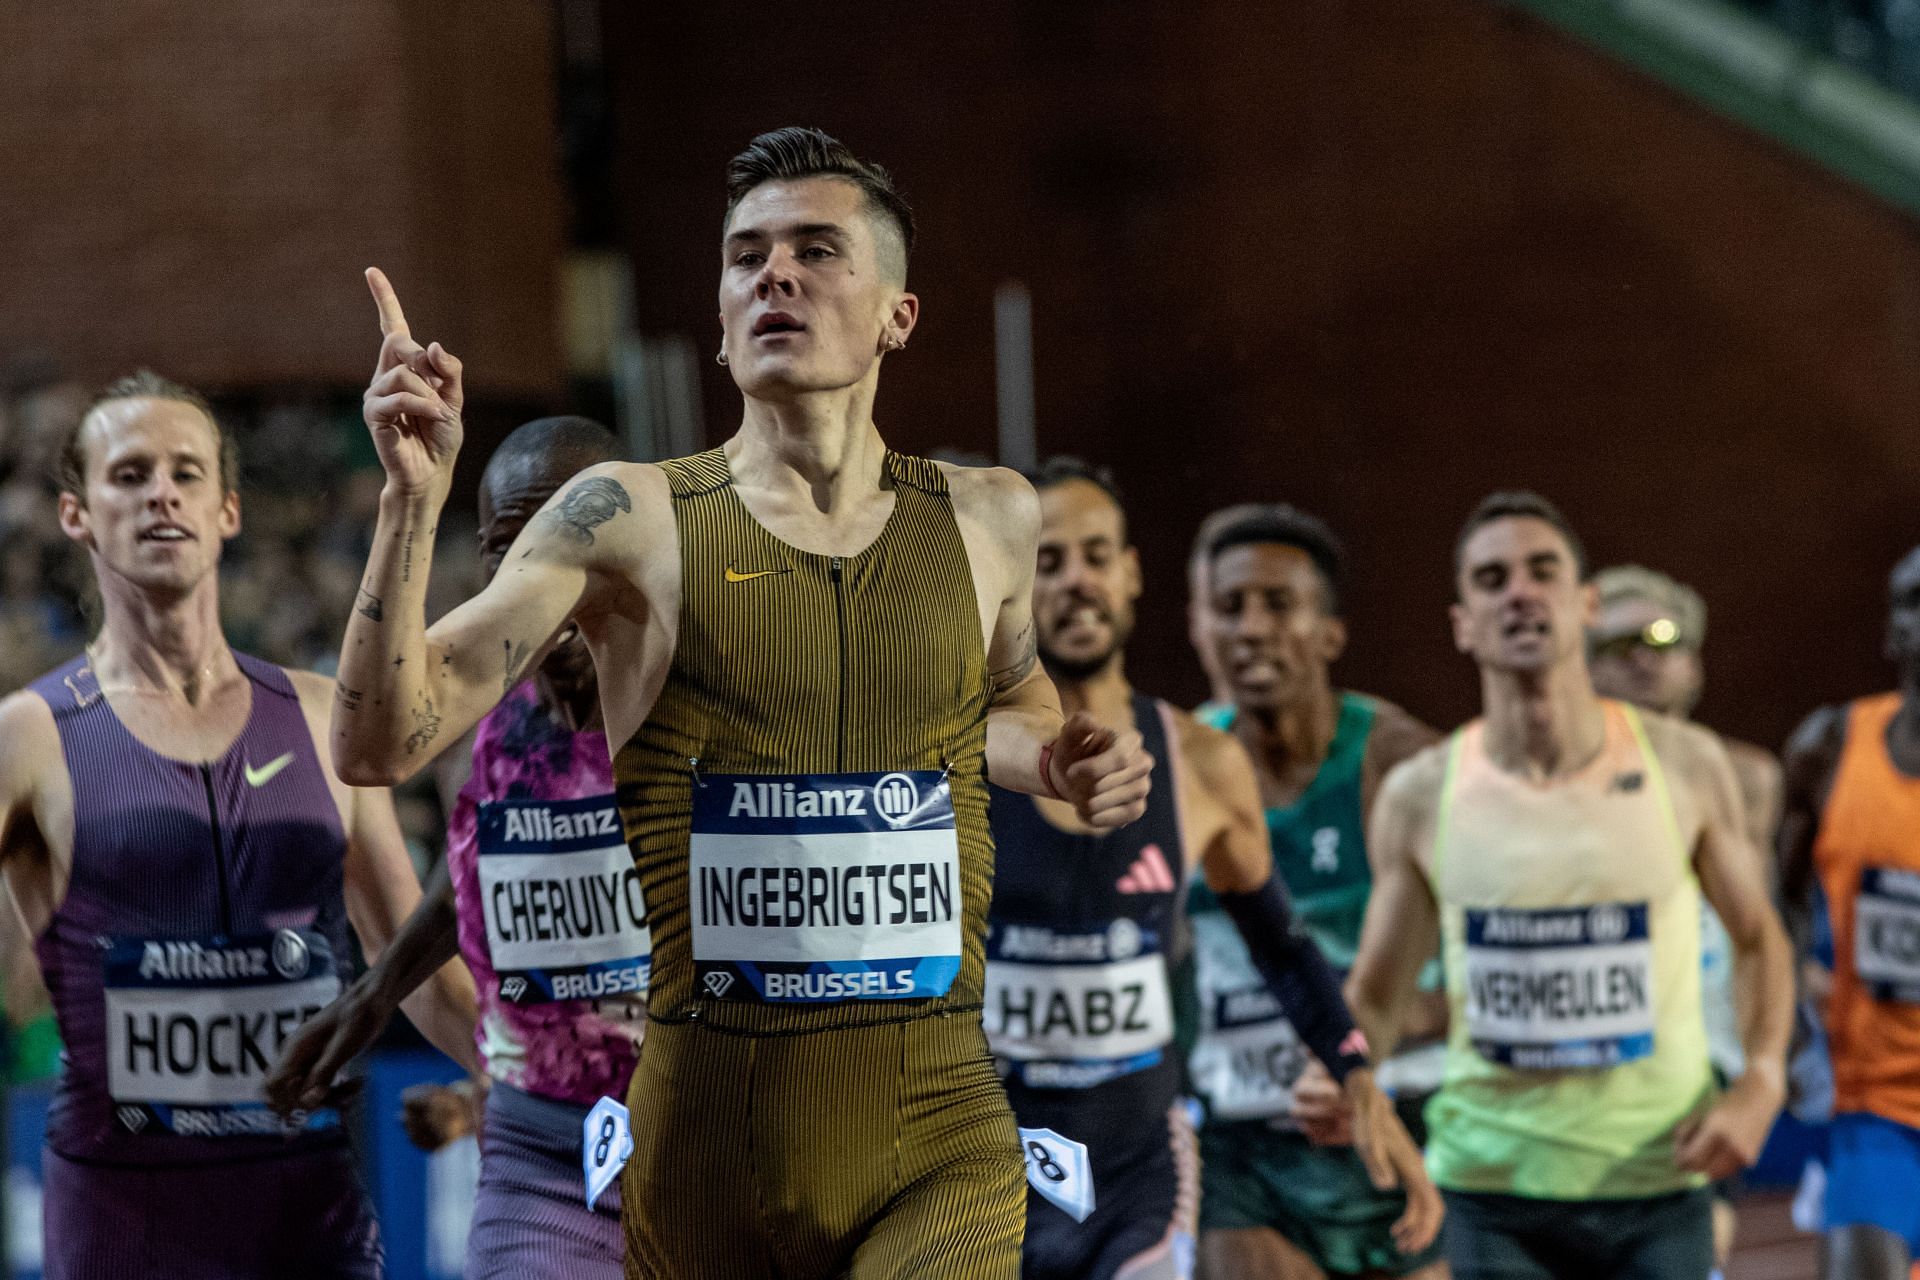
(572, 441)
(1064, 467)
(1510, 504)
(1197, 556)
(1680, 601)
(788, 155)
(70, 464)
(1279, 524)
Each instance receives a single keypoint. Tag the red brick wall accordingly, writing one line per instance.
(1376, 260)
(197, 187)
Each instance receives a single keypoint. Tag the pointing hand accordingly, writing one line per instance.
(413, 404)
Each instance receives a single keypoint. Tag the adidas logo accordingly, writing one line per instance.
(513, 988)
(1148, 874)
(717, 983)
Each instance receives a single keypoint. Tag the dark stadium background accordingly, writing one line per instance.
(1374, 260)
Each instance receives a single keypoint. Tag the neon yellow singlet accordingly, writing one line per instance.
(1570, 927)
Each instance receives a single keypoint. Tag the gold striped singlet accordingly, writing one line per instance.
(785, 799)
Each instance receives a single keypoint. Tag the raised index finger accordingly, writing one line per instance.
(392, 319)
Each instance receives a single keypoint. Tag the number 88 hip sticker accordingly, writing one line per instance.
(1058, 1168)
(606, 1140)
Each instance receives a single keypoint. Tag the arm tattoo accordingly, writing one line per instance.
(516, 654)
(368, 606)
(426, 726)
(1008, 676)
(589, 504)
(406, 559)
(349, 699)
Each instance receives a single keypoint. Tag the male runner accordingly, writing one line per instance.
(1644, 648)
(809, 649)
(1275, 1203)
(543, 902)
(1559, 847)
(1199, 591)
(1852, 830)
(1087, 947)
(189, 864)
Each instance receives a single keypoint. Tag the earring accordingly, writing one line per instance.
(720, 357)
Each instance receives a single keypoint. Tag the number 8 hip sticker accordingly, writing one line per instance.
(1059, 1170)
(605, 1143)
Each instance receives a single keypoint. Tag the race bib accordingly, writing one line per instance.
(195, 1026)
(1560, 987)
(824, 887)
(1059, 1169)
(1247, 1056)
(606, 1141)
(1249, 1059)
(1886, 934)
(1101, 1009)
(561, 899)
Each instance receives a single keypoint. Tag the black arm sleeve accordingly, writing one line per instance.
(1293, 966)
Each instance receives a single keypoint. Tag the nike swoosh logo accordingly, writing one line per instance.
(734, 575)
(267, 772)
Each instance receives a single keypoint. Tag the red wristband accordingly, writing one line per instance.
(1046, 772)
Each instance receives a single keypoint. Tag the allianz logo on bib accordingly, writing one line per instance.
(1600, 925)
(895, 799)
(539, 822)
(1122, 939)
(288, 957)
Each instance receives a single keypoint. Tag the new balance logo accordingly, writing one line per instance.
(1148, 874)
(511, 989)
(717, 983)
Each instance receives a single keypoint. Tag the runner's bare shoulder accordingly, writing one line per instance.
(992, 496)
(1397, 734)
(29, 740)
(1691, 750)
(1402, 821)
(1208, 752)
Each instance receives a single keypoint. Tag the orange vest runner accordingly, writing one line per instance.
(1867, 855)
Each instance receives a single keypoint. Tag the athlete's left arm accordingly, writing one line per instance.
(1237, 862)
(1398, 736)
(1103, 774)
(381, 890)
(1733, 875)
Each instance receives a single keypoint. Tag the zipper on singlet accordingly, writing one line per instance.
(219, 853)
(840, 614)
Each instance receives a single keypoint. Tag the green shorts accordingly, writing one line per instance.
(1319, 1198)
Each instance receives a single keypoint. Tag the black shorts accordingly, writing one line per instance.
(1146, 1189)
(1496, 1237)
